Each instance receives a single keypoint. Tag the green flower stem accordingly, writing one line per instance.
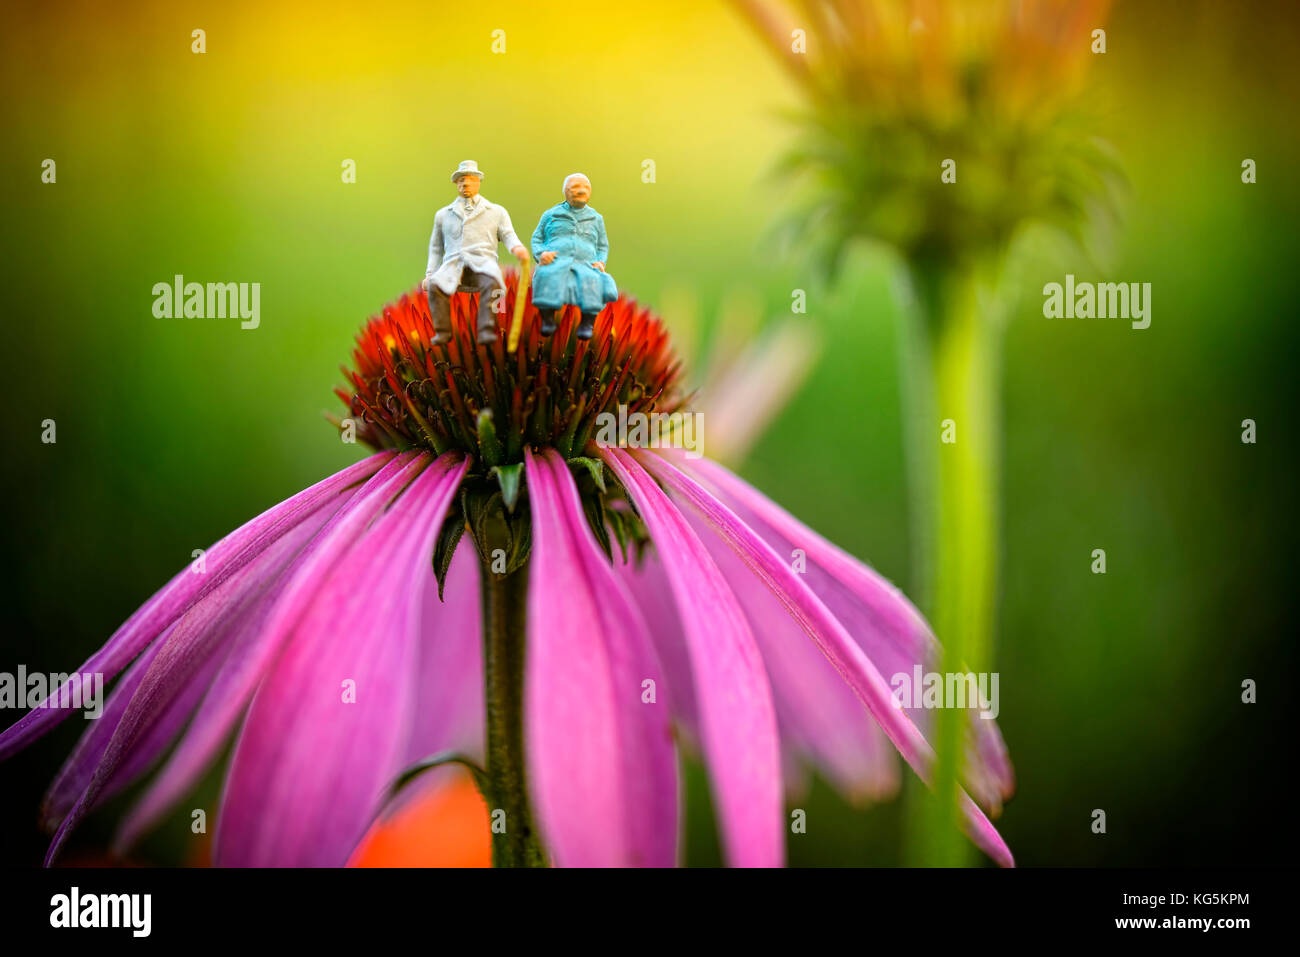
(952, 372)
(505, 600)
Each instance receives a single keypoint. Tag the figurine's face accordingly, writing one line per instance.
(467, 185)
(578, 192)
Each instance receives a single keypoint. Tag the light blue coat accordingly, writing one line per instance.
(577, 237)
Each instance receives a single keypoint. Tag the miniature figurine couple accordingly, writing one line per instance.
(569, 243)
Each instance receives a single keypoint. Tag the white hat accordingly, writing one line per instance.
(466, 168)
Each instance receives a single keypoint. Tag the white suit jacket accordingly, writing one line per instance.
(461, 240)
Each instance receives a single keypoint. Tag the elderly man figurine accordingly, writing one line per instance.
(463, 254)
(571, 250)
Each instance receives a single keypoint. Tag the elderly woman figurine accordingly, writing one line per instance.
(570, 247)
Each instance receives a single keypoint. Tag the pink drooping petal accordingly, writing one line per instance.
(737, 718)
(819, 715)
(80, 765)
(449, 687)
(601, 765)
(153, 701)
(328, 730)
(829, 634)
(177, 673)
(151, 705)
(257, 640)
(223, 559)
(162, 728)
(648, 584)
(165, 721)
(878, 615)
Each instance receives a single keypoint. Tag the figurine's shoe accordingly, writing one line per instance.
(441, 338)
(548, 325)
(586, 327)
(487, 336)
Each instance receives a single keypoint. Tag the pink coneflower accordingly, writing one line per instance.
(342, 638)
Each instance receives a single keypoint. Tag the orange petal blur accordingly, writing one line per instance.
(448, 826)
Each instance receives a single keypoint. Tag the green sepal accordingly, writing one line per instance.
(491, 527)
(594, 467)
(629, 529)
(441, 759)
(443, 552)
(521, 544)
(594, 508)
(617, 522)
(509, 477)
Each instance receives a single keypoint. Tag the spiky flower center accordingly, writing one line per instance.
(406, 393)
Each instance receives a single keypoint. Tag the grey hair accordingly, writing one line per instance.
(565, 187)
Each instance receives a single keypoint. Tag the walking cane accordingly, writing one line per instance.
(521, 296)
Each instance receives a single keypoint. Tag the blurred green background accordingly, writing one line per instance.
(1119, 692)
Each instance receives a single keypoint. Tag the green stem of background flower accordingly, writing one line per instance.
(514, 839)
(951, 375)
